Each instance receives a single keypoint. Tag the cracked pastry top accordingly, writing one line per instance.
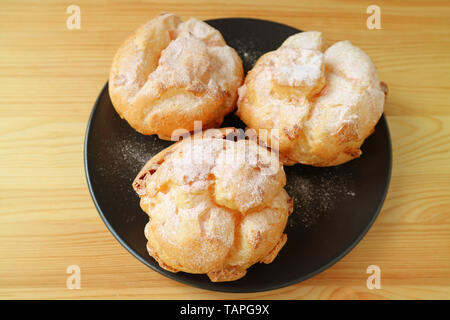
(216, 205)
(324, 103)
(170, 73)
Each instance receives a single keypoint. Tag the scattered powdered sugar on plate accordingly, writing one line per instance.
(316, 192)
(249, 51)
(135, 153)
(119, 159)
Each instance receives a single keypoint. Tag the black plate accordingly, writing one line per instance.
(334, 207)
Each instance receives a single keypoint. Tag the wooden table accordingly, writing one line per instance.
(50, 77)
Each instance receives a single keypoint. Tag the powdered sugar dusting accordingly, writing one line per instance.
(317, 193)
(298, 67)
(194, 161)
(249, 51)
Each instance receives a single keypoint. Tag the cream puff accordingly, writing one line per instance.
(322, 103)
(170, 73)
(216, 206)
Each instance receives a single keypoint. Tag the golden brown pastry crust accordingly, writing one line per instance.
(216, 206)
(169, 73)
(324, 104)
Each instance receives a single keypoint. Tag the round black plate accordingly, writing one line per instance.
(334, 207)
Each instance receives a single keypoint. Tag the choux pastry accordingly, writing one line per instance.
(169, 73)
(323, 104)
(216, 206)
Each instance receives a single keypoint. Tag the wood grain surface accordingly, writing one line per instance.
(50, 77)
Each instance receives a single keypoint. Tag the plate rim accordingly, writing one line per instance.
(173, 276)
